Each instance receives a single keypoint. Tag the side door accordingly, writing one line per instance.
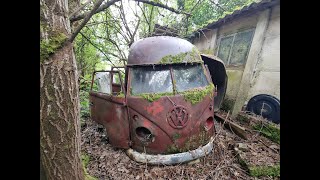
(107, 101)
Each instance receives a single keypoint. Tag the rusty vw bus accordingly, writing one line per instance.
(160, 106)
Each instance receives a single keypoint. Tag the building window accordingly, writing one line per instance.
(233, 49)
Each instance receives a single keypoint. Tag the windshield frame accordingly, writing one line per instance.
(170, 67)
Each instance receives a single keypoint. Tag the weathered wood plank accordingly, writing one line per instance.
(237, 129)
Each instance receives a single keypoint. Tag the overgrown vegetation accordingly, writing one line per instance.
(206, 12)
(269, 131)
(258, 171)
(85, 161)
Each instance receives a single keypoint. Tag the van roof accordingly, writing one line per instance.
(162, 50)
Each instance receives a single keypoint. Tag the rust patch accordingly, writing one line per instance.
(155, 108)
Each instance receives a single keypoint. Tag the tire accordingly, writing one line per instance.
(271, 106)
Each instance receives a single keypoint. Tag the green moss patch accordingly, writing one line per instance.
(269, 131)
(258, 171)
(176, 136)
(48, 47)
(188, 57)
(154, 96)
(196, 95)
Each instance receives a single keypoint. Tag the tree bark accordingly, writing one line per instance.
(59, 97)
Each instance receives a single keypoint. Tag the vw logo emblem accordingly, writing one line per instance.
(178, 117)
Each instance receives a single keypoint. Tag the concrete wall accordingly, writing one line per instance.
(235, 74)
(266, 79)
(264, 72)
(234, 80)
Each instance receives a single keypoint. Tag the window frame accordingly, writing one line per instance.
(230, 51)
(174, 91)
(112, 72)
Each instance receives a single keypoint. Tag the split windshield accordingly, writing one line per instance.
(157, 79)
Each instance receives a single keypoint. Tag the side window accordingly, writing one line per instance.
(107, 82)
(241, 46)
(233, 49)
(116, 83)
(118, 75)
(102, 82)
(224, 48)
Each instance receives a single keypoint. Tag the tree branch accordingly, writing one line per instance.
(124, 21)
(109, 3)
(86, 19)
(79, 9)
(134, 33)
(195, 6)
(101, 8)
(150, 18)
(163, 6)
(97, 48)
(217, 5)
(144, 15)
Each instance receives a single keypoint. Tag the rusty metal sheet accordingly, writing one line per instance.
(112, 114)
(170, 133)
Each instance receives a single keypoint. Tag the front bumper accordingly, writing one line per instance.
(170, 159)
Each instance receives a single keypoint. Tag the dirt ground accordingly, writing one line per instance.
(107, 162)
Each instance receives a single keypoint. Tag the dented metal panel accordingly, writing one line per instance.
(112, 114)
(170, 136)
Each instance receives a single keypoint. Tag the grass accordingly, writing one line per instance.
(269, 131)
(258, 171)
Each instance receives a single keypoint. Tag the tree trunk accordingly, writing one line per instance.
(59, 95)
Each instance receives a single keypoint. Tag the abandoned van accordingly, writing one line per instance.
(160, 106)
